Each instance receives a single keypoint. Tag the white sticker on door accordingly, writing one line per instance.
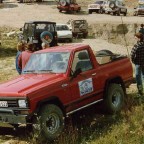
(85, 86)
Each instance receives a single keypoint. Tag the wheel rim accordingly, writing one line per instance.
(116, 98)
(52, 123)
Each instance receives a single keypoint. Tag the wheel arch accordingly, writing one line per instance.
(116, 80)
(51, 100)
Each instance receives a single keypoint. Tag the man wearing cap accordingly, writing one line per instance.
(25, 55)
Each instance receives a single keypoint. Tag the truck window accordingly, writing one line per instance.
(54, 62)
(82, 60)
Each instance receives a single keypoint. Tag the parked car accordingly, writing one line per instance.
(63, 32)
(96, 7)
(115, 7)
(68, 6)
(32, 31)
(139, 10)
(78, 28)
(59, 81)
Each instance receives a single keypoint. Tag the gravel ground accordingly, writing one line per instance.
(15, 14)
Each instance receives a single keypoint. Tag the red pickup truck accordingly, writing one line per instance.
(59, 81)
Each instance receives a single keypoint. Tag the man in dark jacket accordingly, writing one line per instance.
(137, 57)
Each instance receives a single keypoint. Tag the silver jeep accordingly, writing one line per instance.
(79, 28)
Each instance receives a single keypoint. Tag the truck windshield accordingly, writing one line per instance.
(51, 62)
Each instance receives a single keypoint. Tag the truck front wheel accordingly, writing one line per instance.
(114, 98)
(51, 121)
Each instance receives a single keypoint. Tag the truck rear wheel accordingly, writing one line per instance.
(114, 98)
(51, 121)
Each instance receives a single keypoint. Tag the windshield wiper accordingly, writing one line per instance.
(29, 71)
(51, 71)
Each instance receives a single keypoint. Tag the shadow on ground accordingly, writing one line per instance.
(8, 5)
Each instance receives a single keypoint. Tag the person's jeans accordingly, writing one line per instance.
(139, 73)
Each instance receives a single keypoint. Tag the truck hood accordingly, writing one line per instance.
(25, 84)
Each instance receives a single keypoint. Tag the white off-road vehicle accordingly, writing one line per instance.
(78, 27)
(114, 7)
(96, 7)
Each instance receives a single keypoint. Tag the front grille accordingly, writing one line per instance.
(12, 103)
(8, 103)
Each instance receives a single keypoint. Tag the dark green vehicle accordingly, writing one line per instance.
(32, 31)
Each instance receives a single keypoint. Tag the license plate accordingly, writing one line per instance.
(35, 41)
(3, 104)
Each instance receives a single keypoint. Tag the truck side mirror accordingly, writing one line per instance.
(76, 73)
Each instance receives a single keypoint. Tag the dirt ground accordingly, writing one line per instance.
(15, 14)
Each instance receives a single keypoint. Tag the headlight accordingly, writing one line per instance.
(22, 103)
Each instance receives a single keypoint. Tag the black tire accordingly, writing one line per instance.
(114, 13)
(51, 121)
(82, 27)
(104, 52)
(118, 12)
(135, 13)
(70, 40)
(125, 14)
(101, 11)
(85, 35)
(90, 12)
(112, 5)
(114, 98)
(63, 3)
(78, 10)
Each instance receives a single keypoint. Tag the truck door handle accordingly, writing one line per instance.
(93, 74)
(64, 85)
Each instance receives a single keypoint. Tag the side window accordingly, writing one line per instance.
(82, 61)
(30, 30)
(25, 29)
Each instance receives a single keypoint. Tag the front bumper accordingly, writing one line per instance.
(10, 117)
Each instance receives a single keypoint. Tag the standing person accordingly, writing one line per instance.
(25, 55)
(141, 30)
(137, 57)
(20, 48)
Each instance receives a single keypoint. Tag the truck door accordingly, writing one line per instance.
(82, 86)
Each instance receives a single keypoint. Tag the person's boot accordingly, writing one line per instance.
(140, 90)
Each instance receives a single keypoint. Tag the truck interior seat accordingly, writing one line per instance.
(84, 62)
